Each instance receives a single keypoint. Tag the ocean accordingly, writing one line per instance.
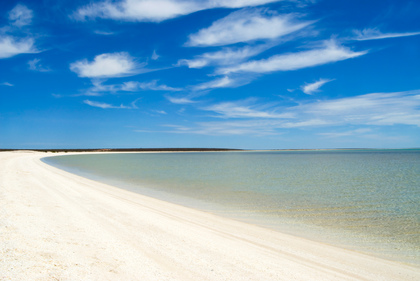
(363, 200)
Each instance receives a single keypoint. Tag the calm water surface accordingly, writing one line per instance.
(366, 200)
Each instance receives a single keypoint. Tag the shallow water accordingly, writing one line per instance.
(366, 200)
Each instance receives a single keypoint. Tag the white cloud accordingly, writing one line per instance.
(7, 84)
(156, 10)
(20, 16)
(152, 85)
(224, 82)
(346, 133)
(248, 127)
(330, 52)
(199, 90)
(375, 34)
(36, 66)
(155, 56)
(244, 26)
(311, 88)
(370, 109)
(99, 87)
(244, 110)
(101, 32)
(109, 106)
(160, 112)
(180, 100)
(129, 86)
(106, 66)
(377, 109)
(226, 56)
(9, 46)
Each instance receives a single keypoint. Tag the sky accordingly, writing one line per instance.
(251, 74)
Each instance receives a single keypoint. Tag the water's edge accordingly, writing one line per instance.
(342, 238)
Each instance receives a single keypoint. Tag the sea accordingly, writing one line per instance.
(363, 200)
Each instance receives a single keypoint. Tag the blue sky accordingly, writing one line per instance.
(185, 73)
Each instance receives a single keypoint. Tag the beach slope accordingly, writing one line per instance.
(59, 226)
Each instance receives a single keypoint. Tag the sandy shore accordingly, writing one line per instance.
(58, 226)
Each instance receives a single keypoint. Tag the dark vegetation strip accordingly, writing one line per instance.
(127, 150)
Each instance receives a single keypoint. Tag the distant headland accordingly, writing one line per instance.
(129, 150)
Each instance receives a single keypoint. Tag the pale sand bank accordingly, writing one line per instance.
(58, 226)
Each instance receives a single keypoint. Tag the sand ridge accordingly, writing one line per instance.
(55, 225)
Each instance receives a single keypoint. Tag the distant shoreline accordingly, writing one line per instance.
(187, 149)
(128, 150)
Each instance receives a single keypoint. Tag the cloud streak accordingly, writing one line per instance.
(180, 100)
(100, 88)
(246, 109)
(226, 56)
(311, 88)
(156, 10)
(226, 128)
(370, 109)
(245, 26)
(224, 82)
(329, 53)
(347, 133)
(10, 46)
(376, 109)
(104, 105)
(133, 86)
(376, 34)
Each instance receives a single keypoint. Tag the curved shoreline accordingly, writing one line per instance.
(60, 225)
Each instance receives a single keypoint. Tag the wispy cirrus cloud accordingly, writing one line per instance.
(20, 16)
(154, 56)
(246, 25)
(379, 109)
(156, 10)
(249, 117)
(104, 105)
(370, 109)
(226, 56)
(346, 133)
(329, 53)
(253, 128)
(162, 112)
(35, 65)
(107, 65)
(223, 82)
(100, 88)
(376, 34)
(180, 100)
(244, 109)
(152, 85)
(11, 46)
(7, 84)
(311, 88)
(102, 32)
(200, 89)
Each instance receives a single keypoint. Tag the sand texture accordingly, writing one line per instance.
(58, 226)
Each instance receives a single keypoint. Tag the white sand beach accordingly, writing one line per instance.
(55, 225)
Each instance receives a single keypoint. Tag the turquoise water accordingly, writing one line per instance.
(366, 200)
